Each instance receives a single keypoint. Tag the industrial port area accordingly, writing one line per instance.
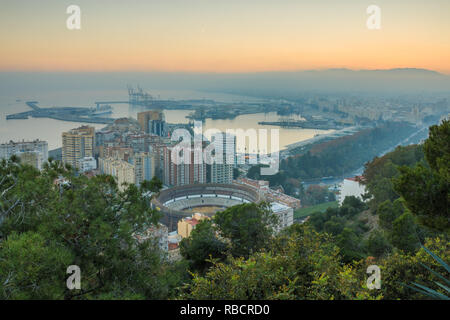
(306, 112)
(202, 109)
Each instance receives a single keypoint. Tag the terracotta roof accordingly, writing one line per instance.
(193, 222)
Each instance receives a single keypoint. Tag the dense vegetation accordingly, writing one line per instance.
(335, 157)
(386, 230)
(47, 226)
(86, 222)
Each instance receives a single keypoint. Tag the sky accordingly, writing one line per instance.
(223, 36)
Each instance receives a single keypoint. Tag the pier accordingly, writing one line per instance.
(72, 114)
(300, 124)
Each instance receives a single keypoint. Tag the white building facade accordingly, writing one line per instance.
(351, 187)
(285, 215)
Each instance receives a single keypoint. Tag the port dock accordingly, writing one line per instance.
(72, 114)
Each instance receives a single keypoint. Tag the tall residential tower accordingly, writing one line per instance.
(153, 122)
(77, 144)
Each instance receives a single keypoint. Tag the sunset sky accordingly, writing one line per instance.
(223, 35)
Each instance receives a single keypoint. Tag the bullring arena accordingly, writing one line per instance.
(180, 202)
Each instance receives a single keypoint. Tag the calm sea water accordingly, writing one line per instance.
(50, 130)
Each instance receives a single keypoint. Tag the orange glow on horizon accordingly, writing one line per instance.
(226, 37)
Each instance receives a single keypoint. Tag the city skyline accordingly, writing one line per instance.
(223, 37)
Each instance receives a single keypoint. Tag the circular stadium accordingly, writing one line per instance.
(182, 201)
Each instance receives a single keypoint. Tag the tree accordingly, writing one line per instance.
(426, 193)
(202, 244)
(403, 234)
(426, 189)
(354, 202)
(437, 147)
(349, 243)
(378, 245)
(303, 265)
(248, 227)
(153, 185)
(80, 221)
(32, 268)
(388, 212)
(255, 171)
(404, 268)
(334, 226)
(379, 172)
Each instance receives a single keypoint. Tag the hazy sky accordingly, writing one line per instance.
(223, 35)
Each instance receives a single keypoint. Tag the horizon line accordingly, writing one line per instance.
(445, 72)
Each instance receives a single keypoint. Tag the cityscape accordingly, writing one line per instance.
(205, 156)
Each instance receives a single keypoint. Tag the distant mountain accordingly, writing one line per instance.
(401, 80)
(403, 71)
(264, 84)
(409, 71)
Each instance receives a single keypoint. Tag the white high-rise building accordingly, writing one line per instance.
(223, 172)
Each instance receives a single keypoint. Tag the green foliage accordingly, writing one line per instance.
(153, 185)
(427, 290)
(32, 268)
(388, 212)
(255, 171)
(437, 148)
(352, 205)
(80, 221)
(202, 245)
(426, 190)
(334, 157)
(47, 226)
(344, 154)
(304, 265)
(341, 223)
(403, 234)
(349, 242)
(248, 227)
(379, 172)
(378, 245)
(406, 268)
(426, 193)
